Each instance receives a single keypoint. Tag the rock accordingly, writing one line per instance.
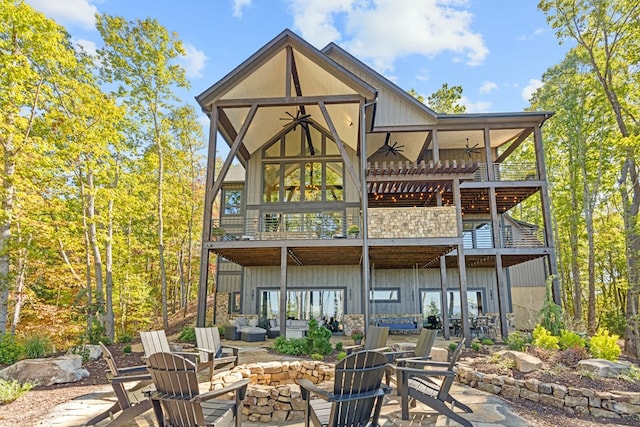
(94, 351)
(524, 362)
(49, 371)
(602, 367)
(439, 354)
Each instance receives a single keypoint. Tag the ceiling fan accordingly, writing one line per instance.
(388, 148)
(471, 150)
(302, 119)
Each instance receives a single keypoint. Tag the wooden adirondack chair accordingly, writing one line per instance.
(418, 383)
(157, 342)
(210, 346)
(420, 352)
(357, 394)
(177, 401)
(376, 340)
(132, 402)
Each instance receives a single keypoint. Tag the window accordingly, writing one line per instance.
(477, 234)
(430, 303)
(385, 295)
(232, 202)
(235, 301)
(303, 304)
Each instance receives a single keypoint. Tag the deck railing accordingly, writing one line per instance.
(507, 172)
(479, 235)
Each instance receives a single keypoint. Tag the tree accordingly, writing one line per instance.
(446, 100)
(607, 33)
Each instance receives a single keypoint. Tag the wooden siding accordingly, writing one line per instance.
(230, 282)
(528, 274)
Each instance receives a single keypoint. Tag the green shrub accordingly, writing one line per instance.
(571, 356)
(518, 341)
(342, 355)
(551, 313)
(187, 334)
(125, 338)
(317, 340)
(486, 341)
(604, 346)
(291, 347)
(452, 346)
(126, 349)
(317, 356)
(97, 333)
(82, 351)
(542, 338)
(614, 320)
(221, 330)
(476, 346)
(339, 346)
(37, 346)
(11, 390)
(569, 339)
(10, 349)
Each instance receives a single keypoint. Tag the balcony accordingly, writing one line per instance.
(479, 235)
(507, 172)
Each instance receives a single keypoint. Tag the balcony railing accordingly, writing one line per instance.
(507, 172)
(479, 235)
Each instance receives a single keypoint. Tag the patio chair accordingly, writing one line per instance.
(131, 401)
(177, 400)
(157, 342)
(417, 382)
(211, 349)
(357, 396)
(420, 352)
(376, 340)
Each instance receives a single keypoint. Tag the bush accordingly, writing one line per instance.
(11, 390)
(317, 340)
(82, 351)
(187, 334)
(452, 346)
(37, 346)
(476, 346)
(518, 341)
(125, 338)
(97, 333)
(342, 355)
(542, 338)
(486, 341)
(10, 349)
(571, 356)
(569, 339)
(126, 349)
(551, 313)
(317, 356)
(614, 321)
(604, 346)
(291, 347)
(339, 346)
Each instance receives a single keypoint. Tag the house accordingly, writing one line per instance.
(344, 197)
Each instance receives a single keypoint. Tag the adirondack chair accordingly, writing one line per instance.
(157, 342)
(376, 340)
(177, 401)
(357, 394)
(210, 348)
(420, 352)
(132, 402)
(418, 383)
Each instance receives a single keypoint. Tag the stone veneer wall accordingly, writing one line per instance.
(412, 222)
(578, 401)
(222, 308)
(351, 322)
(273, 395)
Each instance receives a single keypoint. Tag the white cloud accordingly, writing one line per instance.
(68, 12)
(475, 107)
(194, 60)
(385, 30)
(529, 89)
(238, 5)
(88, 46)
(537, 32)
(488, 87)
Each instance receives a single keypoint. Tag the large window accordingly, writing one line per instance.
(232, 202)
(430, 303)
(303, 304)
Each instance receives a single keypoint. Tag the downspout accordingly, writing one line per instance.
(364, 204)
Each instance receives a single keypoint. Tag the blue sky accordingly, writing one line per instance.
(497, 50)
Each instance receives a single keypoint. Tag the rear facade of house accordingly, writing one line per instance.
(344, 198)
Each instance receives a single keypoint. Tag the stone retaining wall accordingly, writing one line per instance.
(273, 394)
(578, 401)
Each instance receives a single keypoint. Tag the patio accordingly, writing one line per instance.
(488, 409)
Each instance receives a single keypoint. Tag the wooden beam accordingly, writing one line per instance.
(443, 298)
(287, 74)
(503, 295)
(230, 131)
(515, 144)
(287, 102)
(342, 150)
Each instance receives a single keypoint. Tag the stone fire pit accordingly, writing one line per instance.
(273, 394)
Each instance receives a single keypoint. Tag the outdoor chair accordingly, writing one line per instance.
(357, 396)
(419, 380)
(420, 352)
(376, 340)
(132, 401)
(177, 401)
(157, 342)
(211, 350)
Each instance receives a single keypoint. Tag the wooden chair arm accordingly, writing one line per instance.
(140, 368)
(427, 362)
(307, 387)
(410, 360)
(225, 359)
(206, 350)
(380, 349)
(129, 378)
(240, 386)
(351, 348)
(424, 372)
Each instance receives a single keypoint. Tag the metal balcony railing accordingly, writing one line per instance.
(507, 172)
(479, 235)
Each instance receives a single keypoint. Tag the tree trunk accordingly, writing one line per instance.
(21, 269)
(108, 315)
(9, 190)
(163, 272)
(93, 239)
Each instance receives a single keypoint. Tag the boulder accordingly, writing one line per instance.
(439, 354)
(603, 367)
(524, 362)
(46, 372)
(94, 352)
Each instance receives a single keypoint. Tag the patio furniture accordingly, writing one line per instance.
(433, 322)
(239, 325)
(131, 401)
(357, 394)
(417, 382)
(420, 351)
(211, 349)
(252, 334)
(157, 342)
(376, 340)
(177, 400)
